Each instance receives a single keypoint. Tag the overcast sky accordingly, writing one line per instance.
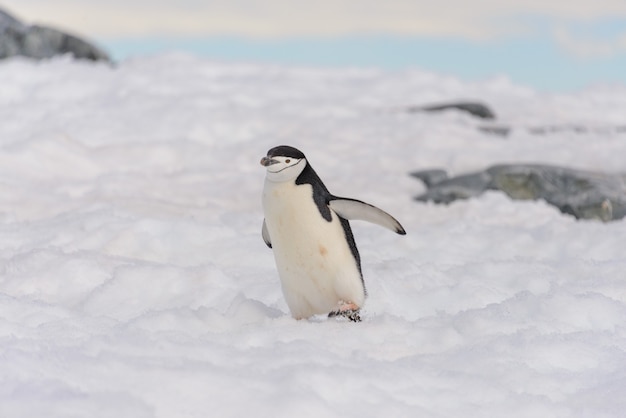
(588, 35)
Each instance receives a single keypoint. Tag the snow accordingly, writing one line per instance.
(134, 281)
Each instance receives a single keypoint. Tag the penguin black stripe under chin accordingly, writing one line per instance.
(308, 231)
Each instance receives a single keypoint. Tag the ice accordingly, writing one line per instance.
(134, 281)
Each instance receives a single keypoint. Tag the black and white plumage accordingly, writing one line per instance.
(308, 230)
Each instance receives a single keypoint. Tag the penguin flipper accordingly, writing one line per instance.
(355, 209)
(266, 235)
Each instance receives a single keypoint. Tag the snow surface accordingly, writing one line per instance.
(134, 281)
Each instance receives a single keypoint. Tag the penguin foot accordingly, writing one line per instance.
(347, 310)
(352, 315)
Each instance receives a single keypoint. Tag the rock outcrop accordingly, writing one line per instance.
(39, 42)
(476, 109)
(492, 127)
(583, 194)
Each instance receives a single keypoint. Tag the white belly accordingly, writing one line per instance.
(316, 267)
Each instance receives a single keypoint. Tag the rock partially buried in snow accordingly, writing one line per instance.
(431, 177)
(477, 109)
(584, 194)
(505, 130)
(39, 42)
(491, 127)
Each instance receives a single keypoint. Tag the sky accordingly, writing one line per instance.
(561, 45)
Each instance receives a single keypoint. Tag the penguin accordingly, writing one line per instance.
(308, 231)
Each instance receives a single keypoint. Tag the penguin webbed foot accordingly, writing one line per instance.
(351, 314)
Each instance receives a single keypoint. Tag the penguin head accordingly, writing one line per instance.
(283, 163)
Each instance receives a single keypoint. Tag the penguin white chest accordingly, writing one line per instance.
(315, 263)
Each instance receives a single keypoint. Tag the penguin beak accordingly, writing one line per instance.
(267, 161)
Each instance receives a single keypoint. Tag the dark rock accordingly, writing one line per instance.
(431, 177)
(39, 42)
(473, 108)
(460, 187)
(583, 194)
(504, 131)
(550, 129)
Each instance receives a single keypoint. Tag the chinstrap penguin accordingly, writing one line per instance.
(308, 230)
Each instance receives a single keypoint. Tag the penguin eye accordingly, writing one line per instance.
(287, 161)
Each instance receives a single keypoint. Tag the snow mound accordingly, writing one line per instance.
(134, 281)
